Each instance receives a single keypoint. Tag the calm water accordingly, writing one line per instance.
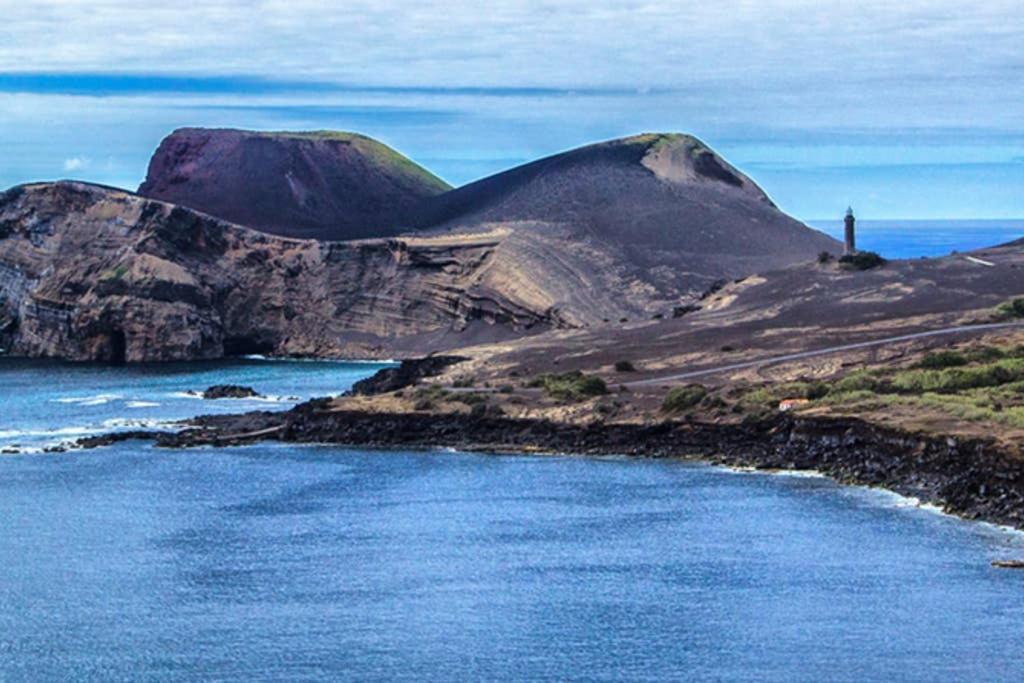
(277, 562)
(911, 239)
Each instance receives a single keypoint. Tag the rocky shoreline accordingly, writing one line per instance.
(970, 478)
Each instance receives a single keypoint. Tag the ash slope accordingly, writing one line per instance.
(319, 185)
(679, 215)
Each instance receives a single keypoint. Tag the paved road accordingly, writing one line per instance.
(664, 379)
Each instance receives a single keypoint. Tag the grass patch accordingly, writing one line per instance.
(570, 386)
(941, 359)
(1011, 309)
(683, 398)
(114, 273)
(955, 379)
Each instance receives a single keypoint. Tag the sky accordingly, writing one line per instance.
(911, 109)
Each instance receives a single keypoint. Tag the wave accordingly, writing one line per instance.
(96, 400)
(141, 404)
(346, 361)
(269, 398)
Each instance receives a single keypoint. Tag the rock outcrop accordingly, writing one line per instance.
(94, 273)
(218, 391)
(322, 185)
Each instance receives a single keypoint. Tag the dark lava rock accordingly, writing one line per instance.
(406, 374)
(229, 391)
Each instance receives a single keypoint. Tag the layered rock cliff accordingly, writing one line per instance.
(93, 273)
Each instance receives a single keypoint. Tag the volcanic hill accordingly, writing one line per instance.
(319, 185)
(623, 230)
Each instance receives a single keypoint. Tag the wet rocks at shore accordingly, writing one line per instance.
(229, 391)
(406, 374)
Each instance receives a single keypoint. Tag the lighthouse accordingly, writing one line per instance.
(850, 247)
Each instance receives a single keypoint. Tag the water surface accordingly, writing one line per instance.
(276, 562)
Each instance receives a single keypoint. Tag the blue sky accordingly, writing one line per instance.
(905, 110)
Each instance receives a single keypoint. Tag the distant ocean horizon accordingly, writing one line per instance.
(916, 238)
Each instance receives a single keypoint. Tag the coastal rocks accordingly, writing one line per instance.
(407, 373)
(970, 478)
(229, 391)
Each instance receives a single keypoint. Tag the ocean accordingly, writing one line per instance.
(288, 562)
(896, 239)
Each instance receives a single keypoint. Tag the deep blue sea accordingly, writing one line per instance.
(284, 562)
(912, 239)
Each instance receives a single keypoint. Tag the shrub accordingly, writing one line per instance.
(824, 257)
(941, 359)
(950, 380)
(986, 354)
(423, 404)
(624, 366)
(506, 389)
(858, 380)
(861, 260)
(570, 385)
(469, 399)
(1012, 309)
(683, 398)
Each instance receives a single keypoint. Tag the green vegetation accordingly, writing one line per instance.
(861, 260)
(683, 398)
(114, 273)
(570, 386)
(941, 359)
(955, 379)
(1011, 309)
(769, 396)
(376, 151)
(983, 383)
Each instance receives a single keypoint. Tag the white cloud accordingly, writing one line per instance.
(75, 164)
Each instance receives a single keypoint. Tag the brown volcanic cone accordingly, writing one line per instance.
(322, 185)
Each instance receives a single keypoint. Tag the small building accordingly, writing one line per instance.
(850, 243)
(788, 404)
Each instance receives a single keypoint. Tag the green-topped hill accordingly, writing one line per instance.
(320, 184)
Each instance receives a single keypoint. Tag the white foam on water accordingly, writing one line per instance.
(185, 394)
(96, 400)
(136, 423)
(886, 499)
(141, 404)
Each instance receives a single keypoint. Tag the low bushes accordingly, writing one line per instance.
(573, 385)
(1011, 309)
(861, 260)
(951, 380)
(941, 359)
(683, 398)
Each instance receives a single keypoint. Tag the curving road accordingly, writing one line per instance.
(822, 352)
